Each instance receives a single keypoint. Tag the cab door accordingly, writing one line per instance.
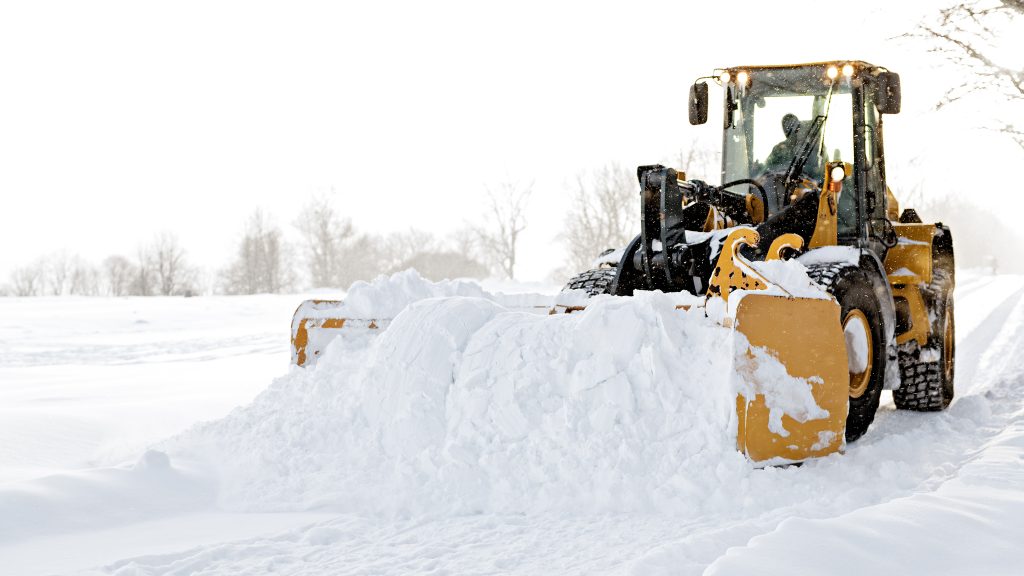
(870, 168)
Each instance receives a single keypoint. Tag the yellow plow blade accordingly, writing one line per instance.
(806, 336)
(317, 322)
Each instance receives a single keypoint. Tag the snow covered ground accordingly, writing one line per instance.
(553, 451)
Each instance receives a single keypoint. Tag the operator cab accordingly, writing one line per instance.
(784, 124)
(801, 155)
(817, 111)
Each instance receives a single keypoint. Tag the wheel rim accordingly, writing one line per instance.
(947, 344)
(859, 351)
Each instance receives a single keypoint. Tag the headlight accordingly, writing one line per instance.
(838, 173)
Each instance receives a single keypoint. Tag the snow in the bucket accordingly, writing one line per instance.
(386, 296)
(830, 255)
(462, 405)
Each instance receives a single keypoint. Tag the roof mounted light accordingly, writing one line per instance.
(847, 70)
(742, 78)
(725, 77)
(832, 72)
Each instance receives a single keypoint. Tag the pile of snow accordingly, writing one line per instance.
(387, 296)
(830, 255)
(912, 485)
(465, 405)
(789, 278)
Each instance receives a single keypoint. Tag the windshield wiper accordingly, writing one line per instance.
(796, 167)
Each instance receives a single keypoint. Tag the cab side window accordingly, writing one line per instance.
(872, 163)
(847, 224)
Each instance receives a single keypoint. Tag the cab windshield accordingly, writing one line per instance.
(780, 112)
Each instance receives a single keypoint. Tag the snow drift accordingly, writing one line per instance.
(899, 493)
(466, 405)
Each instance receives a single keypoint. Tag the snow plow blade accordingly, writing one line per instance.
(805, 335)
(317, 322)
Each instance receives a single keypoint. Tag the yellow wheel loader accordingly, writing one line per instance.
(803, 170)
(803, 177)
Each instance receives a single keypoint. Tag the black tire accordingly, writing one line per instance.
(927, 375)
(596, 281)
(854, 289)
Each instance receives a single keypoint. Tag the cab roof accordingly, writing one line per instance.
(857, 64)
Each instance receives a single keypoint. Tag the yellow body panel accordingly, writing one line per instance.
(892, 206)
(826, 228)
(909, 288)
(913, 251)
(806, 336)
(909, 265)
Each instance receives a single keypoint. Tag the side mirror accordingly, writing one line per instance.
(699, 103)
(887, 93)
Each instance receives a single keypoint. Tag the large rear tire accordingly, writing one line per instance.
(864, 332)
(927, 374)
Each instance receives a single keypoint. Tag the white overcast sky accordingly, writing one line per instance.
(121, 119)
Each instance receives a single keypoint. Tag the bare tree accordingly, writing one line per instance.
(323, 234)
(433, 258)
(260, 262)
(28, 280)
(464, 240)
(503, 222)
(967, 34)
(397, 249)
(336, 254)
(59, 266)
(162, 268)
(118, 273)
(699, 161)
(142, 284)
(444, 264)
(360, 257)
(604, 213)
(85, 278)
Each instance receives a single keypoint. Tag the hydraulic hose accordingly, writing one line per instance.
(760, 190)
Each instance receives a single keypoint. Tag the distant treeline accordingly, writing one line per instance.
(321, 250)
(324, 249)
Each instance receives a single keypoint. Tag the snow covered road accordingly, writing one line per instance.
(88, 382)
(920, 493)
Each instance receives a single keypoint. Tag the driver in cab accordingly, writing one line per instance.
(779, 193)
(784, 152)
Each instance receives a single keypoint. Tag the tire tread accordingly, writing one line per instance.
(595, 281)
